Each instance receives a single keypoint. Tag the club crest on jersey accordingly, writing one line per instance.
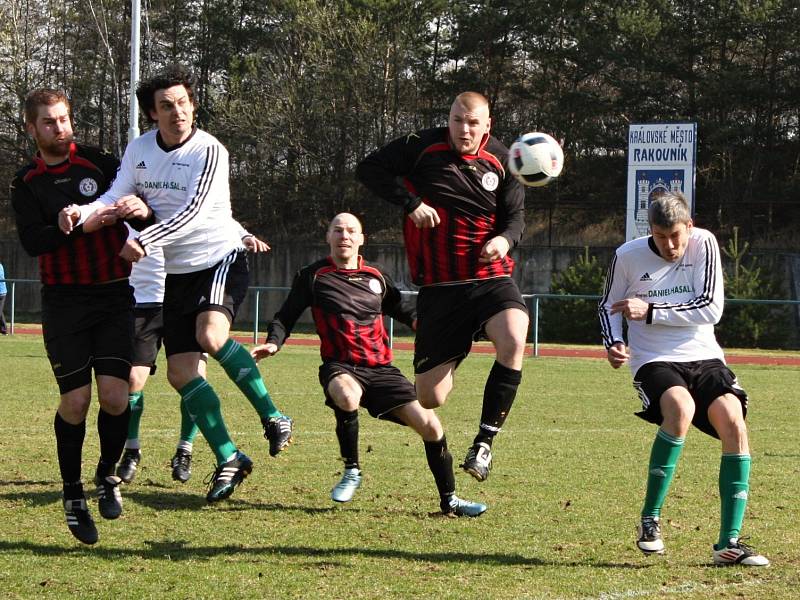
(490, 181)
(375, 286)
(88, 187)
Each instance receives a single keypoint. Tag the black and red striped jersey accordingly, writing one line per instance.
(348, 307)
(475, 196)
(39, 192)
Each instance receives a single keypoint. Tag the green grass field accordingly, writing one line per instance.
(563, 497)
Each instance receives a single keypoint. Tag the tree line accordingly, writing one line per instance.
(300, 90)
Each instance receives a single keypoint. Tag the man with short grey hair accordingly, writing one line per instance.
(669, 288)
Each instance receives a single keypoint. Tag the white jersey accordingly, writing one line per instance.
(686, 298)
(147, 274)
(187, 188)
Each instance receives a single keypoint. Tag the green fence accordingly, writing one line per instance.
(534, 300)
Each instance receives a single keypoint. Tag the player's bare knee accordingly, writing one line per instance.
(210, 339)
(114, 404)
(74, 407)
(345, 392)
(178, 377)
(510, 350)
(732, 431)
(431, 398)
(138, 378)
(677, 421)
(347, 402)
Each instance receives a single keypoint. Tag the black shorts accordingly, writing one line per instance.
(451, 317)
(221, 288)
(384, 387)
(85, 328)
(706, 381)
(148, 334)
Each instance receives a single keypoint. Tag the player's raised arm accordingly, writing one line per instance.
(383, 170)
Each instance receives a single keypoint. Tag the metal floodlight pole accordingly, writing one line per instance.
(133, 128)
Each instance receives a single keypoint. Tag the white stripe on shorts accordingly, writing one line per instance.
(217, 293)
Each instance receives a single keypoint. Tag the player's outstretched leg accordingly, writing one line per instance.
(203, 405)
(347, 435)
(242, 370)
(440, 462)
(498, 397)
(664, 455)
(734, 486)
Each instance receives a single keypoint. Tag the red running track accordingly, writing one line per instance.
(749, 359)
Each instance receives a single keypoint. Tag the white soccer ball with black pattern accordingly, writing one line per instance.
(535, 159)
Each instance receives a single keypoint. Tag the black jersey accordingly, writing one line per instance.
(475, 197)
(39, 192)
(348, 307)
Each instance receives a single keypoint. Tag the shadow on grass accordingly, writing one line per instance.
(42, 498)
(177, 550)
(191, 500)
(163, 498)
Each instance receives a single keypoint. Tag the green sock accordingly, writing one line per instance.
(203, 406)
(734, 478)
(189, 428)
(136, 400)
(242, 370)
(663, 459)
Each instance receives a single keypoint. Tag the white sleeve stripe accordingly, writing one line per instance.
(707, 297)
(605, 322)
(179, 220)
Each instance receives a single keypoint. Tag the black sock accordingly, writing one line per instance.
(440, 462)
(73, 491)
(498, 396)
(113, 431)
(69, 446)
(347, 434)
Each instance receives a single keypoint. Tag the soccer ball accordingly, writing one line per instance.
(535, 159)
